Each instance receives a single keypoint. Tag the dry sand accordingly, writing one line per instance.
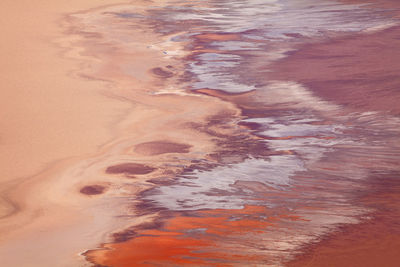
(48, 114)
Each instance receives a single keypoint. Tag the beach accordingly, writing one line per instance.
(172, 133)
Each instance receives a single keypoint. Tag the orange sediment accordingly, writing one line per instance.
(209, 237)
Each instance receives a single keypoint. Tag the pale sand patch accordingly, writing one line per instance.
(46, 115)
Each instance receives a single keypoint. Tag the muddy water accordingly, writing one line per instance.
(235, 152)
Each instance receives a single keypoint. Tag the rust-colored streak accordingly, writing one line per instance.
(153, 246)
(161, 147)
(130, 169)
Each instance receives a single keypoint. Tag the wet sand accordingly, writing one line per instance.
(198, 137)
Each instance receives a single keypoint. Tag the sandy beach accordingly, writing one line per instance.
(152, 133)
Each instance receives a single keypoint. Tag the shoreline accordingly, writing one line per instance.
(159, 134)
(175, 226)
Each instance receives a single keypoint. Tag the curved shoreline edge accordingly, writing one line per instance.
(169, 131)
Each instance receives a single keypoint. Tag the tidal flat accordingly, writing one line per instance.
(200, 133)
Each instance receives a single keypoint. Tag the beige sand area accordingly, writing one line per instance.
(43, 109)
(46, 115)
(59, 132)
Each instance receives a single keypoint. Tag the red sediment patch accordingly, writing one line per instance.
(92, 189)
(359, 71)
(162, 73)
(130, 169)
(192, 239)
(152, 247)
(161, 147)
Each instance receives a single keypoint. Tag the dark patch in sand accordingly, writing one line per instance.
(161, 147)
(130, 169)
(92, 189)
(162, 73)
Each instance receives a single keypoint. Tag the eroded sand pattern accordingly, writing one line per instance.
(233, 133)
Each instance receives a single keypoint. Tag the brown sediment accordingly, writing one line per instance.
(92, 189)
(161, 147)
(358, 71)
(130, 169)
